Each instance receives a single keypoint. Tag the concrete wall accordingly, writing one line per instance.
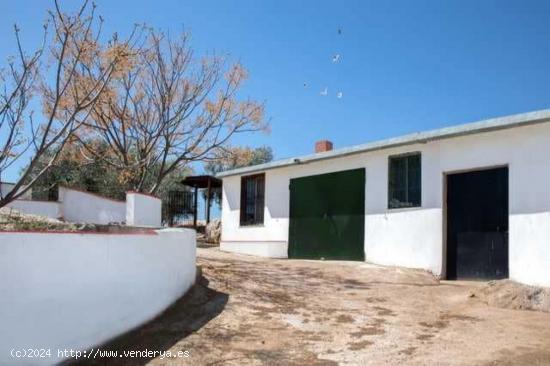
(6, 188)
(41, 208)
(80, 206)
(273, 249)
(143, 210)
(414, 237)
(76, 291)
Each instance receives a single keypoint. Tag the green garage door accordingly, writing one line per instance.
(327, 216)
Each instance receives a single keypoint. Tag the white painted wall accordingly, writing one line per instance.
(6, 188)
(76, 291)
(143, 210)
(41, 208)
(80, 206)
(414, 237)
(274, 249)
(530, 254)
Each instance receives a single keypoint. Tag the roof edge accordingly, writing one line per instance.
(482, 126)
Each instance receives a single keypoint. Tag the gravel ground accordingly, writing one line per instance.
(254, 311)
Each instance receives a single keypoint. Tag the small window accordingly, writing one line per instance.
(252, 199)
(405, 175)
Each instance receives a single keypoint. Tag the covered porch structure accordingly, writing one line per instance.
(207, 182)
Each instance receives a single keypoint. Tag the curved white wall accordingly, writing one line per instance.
(76, 291)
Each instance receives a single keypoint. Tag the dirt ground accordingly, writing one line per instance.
(254, 311)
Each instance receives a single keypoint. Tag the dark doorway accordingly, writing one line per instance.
(477, 224)
(327, 216)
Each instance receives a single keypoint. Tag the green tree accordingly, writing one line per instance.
(72, 169)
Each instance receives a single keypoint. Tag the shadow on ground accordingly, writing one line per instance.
(187, 315)
(205, 244)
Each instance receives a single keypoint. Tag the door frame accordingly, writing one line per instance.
(445, 176)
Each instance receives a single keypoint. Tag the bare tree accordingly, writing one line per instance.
(169, 110)
(233, 157)
(81, 69)
(17, 84)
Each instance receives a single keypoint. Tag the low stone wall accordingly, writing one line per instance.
(78, 290)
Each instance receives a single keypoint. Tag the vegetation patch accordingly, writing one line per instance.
(13, 220)
(508, 294)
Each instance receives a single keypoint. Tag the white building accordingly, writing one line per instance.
(471, 201)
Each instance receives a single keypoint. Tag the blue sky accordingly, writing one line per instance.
(405, 65)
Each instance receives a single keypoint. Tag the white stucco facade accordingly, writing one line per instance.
(415, 237)
(75, 291)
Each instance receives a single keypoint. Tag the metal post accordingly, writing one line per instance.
(208, 197)
(195, 208)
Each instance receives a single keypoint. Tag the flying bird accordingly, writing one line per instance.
(336, 58)
(339, 95)
(324, 92)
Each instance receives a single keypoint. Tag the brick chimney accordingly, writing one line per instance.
(322, 146)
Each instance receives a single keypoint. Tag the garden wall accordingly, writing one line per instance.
(75, 205)
(6, 188)
(42, 208)
(76, 291)
(80, 206)
(143, 209)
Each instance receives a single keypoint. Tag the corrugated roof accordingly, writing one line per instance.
(493, 124)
